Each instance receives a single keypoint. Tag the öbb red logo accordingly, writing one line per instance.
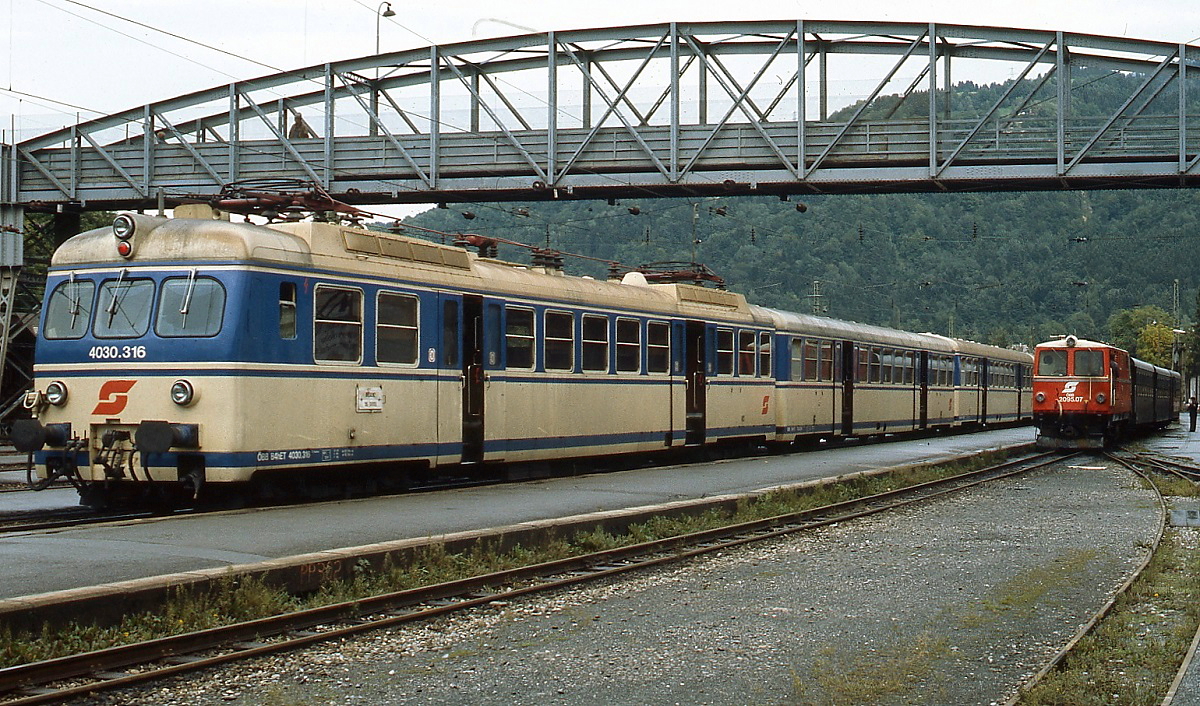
(114, 395)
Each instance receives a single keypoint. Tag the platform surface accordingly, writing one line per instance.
(72, 558)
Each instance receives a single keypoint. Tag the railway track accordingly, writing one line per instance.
(36, 520)
(1130, 462)
(69, 677)
(1168, 465)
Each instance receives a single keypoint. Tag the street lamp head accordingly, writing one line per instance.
(387, 10)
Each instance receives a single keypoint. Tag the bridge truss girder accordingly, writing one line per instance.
(668, 109)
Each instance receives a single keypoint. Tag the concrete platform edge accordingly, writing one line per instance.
(106, 604)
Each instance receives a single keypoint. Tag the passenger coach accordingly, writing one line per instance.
(180, 354)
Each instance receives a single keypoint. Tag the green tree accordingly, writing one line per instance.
(1126, 325)
(1154, 344)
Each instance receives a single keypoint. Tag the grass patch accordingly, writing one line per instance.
(1026, 590)
(868, 676)
(239, 599)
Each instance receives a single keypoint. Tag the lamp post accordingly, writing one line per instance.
(384, 10)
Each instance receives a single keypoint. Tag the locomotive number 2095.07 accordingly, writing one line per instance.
(116, 352)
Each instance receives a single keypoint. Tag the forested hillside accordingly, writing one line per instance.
(998, 267)
(1003, 268)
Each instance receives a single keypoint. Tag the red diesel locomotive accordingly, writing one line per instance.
(1089, 395)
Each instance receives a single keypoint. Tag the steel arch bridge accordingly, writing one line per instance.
(655, 110)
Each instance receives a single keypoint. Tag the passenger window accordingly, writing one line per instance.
(518, 330)
(746, 353)
(1052, 363)
(629, 346)
(337, 325)
(826, 362)
(764, 355)
(658, 347)
(125, 311)
(560, 341)
(287, 310)
(797, 350)
(396, 332)
(69, 309)
(190, 306)
(724, 351)
(970, 372)
(595, 343)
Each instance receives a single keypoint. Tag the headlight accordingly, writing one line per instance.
(56, 393)
(123, 227)
(1040, 397)
(1100, 398)
(182, 393)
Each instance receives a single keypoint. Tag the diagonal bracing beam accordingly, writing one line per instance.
(740, 104)
(516, 143)
(1168, 61)
(870, 99)
(1014, 83)
(612, 110)
(216, 176)
(386, 133)
(285, 142)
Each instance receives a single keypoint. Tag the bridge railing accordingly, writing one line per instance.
(740, 152)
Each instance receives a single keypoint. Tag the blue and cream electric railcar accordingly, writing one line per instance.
(185, 353)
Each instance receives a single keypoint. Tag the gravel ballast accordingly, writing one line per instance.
(952, 601)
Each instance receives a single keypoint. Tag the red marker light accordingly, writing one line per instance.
(124, 249)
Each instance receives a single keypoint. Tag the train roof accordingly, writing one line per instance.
(851, 330)
(1073, 342)
(367, 253)
(983, 349)
(361, 252)
(173, 239)
(854, 331)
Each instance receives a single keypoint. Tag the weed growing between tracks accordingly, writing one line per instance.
(237, 599)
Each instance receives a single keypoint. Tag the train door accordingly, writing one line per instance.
(449, 377)
(473, 379)
(848, 367)
(493, 386)
(923, 390)
(696, 381)
(983, 390)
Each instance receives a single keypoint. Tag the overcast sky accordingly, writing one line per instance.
(60, 50)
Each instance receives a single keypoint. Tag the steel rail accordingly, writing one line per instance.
(1176, 468)
(30, 683)
(1105, 609)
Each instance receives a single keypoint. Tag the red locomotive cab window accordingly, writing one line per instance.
(1089, 364)
(1052, 363)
